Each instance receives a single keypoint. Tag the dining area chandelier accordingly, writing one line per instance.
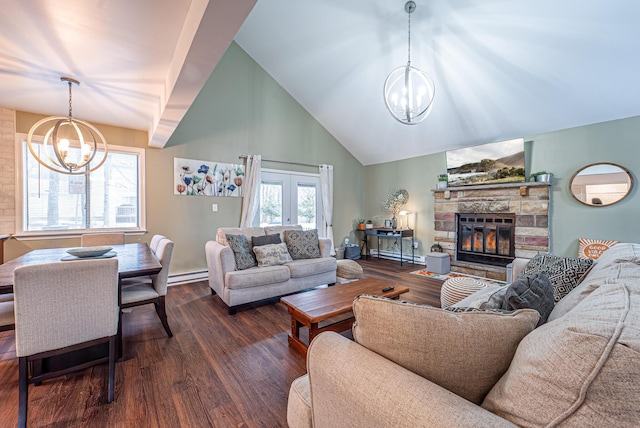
(408, 91)
(69, 146)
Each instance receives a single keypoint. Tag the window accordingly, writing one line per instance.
(288, 198)
(110, 198)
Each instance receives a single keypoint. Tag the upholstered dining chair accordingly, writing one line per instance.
(143, 292)
(98, 239)
(62, 307)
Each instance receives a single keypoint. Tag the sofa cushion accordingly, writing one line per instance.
(257, 241)
(593, 248)
(247, 231)
(272, 254)
(308, 267)
(533, 292)
(620, 262)
(241, 251)
(564, 273)
(302, 244)
(256, 277)
(580, 370)
(465, 352)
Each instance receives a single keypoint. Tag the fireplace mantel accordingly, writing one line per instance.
(528, 201)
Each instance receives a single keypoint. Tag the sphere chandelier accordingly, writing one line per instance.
(69, 145)
(408, 91)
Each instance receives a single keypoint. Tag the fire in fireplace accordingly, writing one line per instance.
(486, 238)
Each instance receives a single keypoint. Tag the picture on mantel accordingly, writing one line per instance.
(501, 162)
(207, 178)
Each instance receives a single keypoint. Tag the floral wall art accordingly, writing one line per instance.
(207, 178)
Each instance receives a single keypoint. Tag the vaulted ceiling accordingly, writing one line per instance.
(502, 68)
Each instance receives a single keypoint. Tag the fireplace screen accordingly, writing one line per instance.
(486, 238)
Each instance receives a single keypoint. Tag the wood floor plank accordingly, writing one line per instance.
(218, 370)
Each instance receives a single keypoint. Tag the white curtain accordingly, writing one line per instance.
(251, 190)
(326, 190)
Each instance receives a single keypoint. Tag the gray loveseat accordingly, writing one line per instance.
(236, 287)
(415, 366)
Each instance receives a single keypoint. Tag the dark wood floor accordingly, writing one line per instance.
(217, 371)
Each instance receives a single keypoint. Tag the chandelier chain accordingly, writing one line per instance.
(70, 110)
(409, 38)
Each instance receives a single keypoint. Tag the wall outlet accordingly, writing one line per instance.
(214, 208)
(415, 245)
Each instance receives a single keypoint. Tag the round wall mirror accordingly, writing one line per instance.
(601, 184)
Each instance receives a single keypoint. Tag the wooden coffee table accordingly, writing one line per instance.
(313, 307)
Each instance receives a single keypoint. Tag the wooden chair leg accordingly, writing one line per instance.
(23, 391)
(112, 369)
(162, 314)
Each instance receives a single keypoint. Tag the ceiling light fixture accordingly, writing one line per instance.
(409, 92)
(65, 145)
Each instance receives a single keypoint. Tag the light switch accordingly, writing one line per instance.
(214, 208)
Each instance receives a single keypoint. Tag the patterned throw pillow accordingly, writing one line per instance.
(302, 244)
(564, 273)
(272, 255)
(258, 241)
(241, 251)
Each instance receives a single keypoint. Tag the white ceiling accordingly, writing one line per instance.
(502, 68)
(140, 63)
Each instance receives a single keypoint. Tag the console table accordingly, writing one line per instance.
(387, 232)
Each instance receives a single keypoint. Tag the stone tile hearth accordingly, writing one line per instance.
(528, 201)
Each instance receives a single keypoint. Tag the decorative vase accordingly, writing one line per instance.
(543, 177)
(369, 226)
(442, 185)
(361, 226)
(394, 222)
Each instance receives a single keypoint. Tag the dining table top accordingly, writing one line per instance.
(135, 259)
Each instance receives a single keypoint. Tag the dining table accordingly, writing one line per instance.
(134, 260)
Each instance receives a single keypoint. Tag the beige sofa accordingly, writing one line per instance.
(237, 287)
(411, 366)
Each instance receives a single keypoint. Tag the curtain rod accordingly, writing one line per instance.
(244, 157)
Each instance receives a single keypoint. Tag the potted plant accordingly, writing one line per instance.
(541, 176)
(368, 224)
(360, 223)
(443, 181)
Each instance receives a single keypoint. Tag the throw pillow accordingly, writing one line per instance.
(489, 297)
(272, 254)
(533, 292)
(258, 241)
(593, 248)
(302, 244)
(564, 272)
(464, 352)
(241, 251)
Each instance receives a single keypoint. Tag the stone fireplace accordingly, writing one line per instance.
(484, 227)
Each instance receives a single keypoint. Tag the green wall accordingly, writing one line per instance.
(242, 110)
(560, 152)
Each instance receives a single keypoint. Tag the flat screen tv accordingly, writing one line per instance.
(501, 162)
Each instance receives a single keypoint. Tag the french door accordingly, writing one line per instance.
(290, 198)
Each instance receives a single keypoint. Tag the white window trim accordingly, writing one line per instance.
(40, 234)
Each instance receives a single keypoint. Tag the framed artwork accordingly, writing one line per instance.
(207, 178)
(500, 162)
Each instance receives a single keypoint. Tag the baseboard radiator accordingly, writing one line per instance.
(187, 277)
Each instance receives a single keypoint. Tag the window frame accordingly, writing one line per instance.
(21, 151)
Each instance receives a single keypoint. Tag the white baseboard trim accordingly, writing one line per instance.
(419, 260)
(187, 277)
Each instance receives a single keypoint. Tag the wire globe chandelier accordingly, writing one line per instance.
(69, 145)
(408, 91)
